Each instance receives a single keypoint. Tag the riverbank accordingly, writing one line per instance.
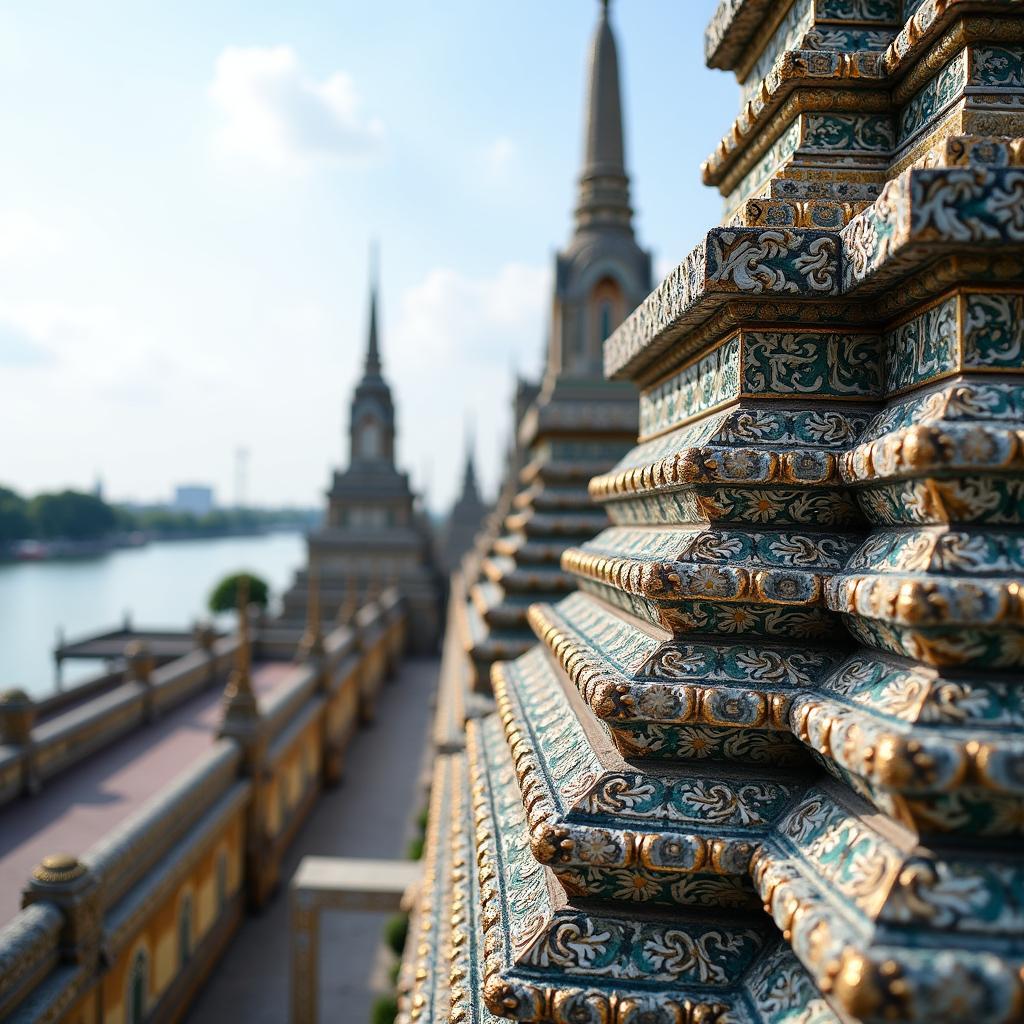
(46, 550)
(163, 584)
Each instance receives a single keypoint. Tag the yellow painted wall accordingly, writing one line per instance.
(159, 935)
(291, 778)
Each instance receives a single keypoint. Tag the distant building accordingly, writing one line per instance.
(466, 518)
(195, 499)
(374, 534)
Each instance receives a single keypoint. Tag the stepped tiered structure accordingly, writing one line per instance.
(467, 517)
(374, 534)
(766, 766)
(579, 423)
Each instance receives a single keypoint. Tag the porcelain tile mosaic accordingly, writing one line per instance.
(766, 763)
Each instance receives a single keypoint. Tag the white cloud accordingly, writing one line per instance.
(25, 238)
(275, 113)
(451, 354)
(18, 348)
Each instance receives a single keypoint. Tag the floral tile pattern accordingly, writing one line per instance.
(767, 763)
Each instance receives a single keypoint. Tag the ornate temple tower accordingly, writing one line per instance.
(373, 535)
(765, 766)
(578, 424)
(603, 274)
(372, 417)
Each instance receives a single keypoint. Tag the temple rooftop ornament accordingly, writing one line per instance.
(372, 528)
(241, 708)
(312, 644)
(766, 765)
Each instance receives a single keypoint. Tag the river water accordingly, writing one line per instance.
(165, 584)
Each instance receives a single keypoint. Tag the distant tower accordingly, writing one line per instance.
(603, 274)
(467, 514)
(374, 532)
(577, 424)
(372, 417)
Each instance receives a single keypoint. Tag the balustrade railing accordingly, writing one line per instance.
(130, 927)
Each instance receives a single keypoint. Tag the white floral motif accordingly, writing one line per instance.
(573, 945)
(718, 802)
(675, 952)
(596, 847)
(935, 894)
(742, 259)
(634, 885)
(619, 793)
(770, 667)
(709, 581)
(955, 702)
(806, 819)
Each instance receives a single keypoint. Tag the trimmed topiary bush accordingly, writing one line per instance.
(224, 597)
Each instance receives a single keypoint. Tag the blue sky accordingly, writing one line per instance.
(188, 191)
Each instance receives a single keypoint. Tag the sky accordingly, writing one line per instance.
(189, 191)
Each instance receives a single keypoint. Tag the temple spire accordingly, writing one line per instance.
(373, 366)
(469, 485)
(604, 184)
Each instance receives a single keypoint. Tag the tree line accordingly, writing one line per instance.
(79, 516)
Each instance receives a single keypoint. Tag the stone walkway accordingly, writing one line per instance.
(81, 805)
(369, 815)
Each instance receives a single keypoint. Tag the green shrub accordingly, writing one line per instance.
(225, 595)
(396, 932)
(385, 1009)
(414, 851)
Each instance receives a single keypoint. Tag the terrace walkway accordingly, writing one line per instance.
(83, 804)
(370, 815)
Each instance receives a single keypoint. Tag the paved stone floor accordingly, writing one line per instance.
(82, 804)
(369, 815)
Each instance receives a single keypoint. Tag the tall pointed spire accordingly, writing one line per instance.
(372, 416)
(604, 184)
(373, 366)
(469, 485)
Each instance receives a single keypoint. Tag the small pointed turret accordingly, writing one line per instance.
(373, 365)
(469, 485)
(372, 419)
(604, 184)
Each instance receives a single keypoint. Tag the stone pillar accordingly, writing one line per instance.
(205, 637)
(243, 723)
(367, 670)
(64, 881)
(17, 719)
(58, 659)
(139, 669)
(312, 644)
(311, 650)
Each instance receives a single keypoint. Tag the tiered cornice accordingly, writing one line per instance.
(766, 764)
